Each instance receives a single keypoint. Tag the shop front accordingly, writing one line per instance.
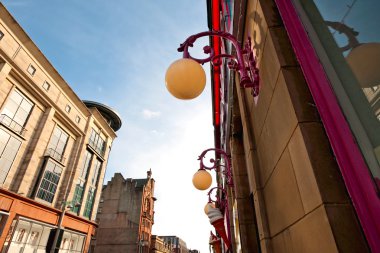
(28, 226)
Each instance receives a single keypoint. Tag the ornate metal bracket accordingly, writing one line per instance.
(244, 62)
(215, 165)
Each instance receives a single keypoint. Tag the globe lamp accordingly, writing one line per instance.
(185, 79)
(202, 180)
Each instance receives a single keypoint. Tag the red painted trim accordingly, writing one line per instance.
(36, 204)
(350, 160)
(216, 69)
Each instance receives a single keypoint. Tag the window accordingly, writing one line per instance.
(72, 242)
(78, 195)
(46, 86)
(68, 108)
(147, 205)
(27, 236)
(97, 142)
(86, 164)
(16, 111)
(31, 70)
(77, 119)
(89, 203)
(3, 219)
(57, 144)
(9, 147)
(1, 35)
(352, 67)
(49, 182)
(95, 175)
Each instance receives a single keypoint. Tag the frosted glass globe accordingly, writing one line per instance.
(185, 79)
(202, 180)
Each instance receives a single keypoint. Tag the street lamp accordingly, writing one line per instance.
(66, 205)
(202, 179)
(186, 79)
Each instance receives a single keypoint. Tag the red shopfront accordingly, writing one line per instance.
(28, 226)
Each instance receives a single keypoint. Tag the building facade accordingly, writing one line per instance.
(53, 151)
(125, 215)
(178, 245)
(158, 245)
(304, 152)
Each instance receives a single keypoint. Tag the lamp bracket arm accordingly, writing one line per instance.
(244, 61)
(220, 202)
(227, 171)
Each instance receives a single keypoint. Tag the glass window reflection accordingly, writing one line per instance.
(348, 32)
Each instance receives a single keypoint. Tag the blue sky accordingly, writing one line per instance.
(116, 52)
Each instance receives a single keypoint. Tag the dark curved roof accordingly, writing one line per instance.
(112, 117)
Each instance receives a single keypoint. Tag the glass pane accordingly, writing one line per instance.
(17, 107)
(86, 164)
(44, 238)
(80, 243)
(7, 156)
(4, 137)
(95, 175)
(16, 97)
(49, 182)
(89, 203)
(21, 116)
(53, 142)
(348, 31)
(10, 109)
(58, 143)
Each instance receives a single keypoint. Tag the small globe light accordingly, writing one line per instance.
(364, 61)
(202, 180)
(185, 79)
(207, 206)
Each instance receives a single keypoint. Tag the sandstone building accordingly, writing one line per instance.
(158, 245)
(305, 151)
(53, 151)
(125, 215)
(178, 245)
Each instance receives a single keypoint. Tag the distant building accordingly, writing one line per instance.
(158, 245)
(125, 215)
(178, 245)
(54, 150)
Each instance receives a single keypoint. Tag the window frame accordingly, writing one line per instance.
(46, 85)
(90, 201)
(19, 106)
(68, 108)
(3, 150)
(349, 157)
(42, 178)
(50, 146)
(31, 70)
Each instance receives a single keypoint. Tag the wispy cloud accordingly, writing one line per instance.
(105, 59)
(148, 114)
